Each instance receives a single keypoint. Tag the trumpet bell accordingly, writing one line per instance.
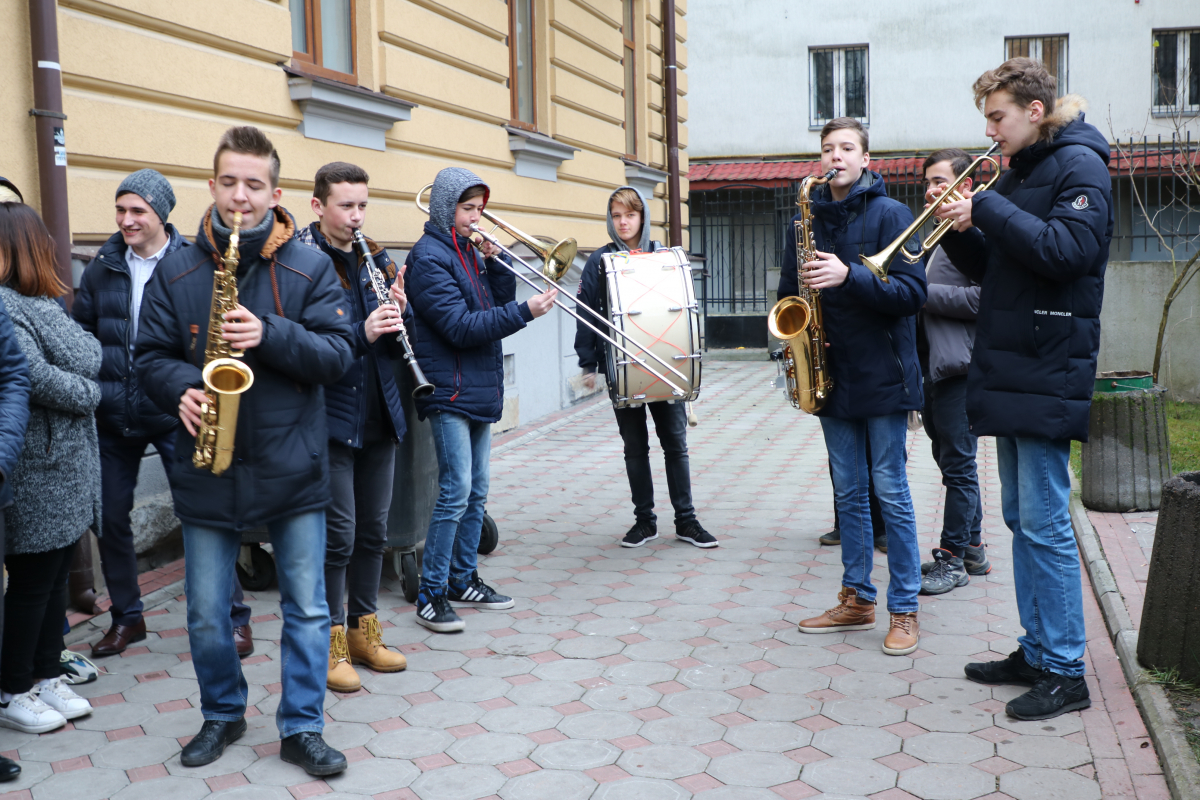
(789, 318)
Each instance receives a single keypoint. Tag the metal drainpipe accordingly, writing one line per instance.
(49, 132)
(671, 112)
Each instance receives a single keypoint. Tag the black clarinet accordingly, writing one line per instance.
(424, 387)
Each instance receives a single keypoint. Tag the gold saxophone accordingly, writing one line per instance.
(225, 377)
(797, 320)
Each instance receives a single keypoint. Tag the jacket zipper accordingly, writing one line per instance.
(899, 364)
(457, 377)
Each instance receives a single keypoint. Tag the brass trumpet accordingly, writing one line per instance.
(878, 263)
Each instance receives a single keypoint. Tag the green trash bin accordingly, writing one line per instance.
(1127, 456)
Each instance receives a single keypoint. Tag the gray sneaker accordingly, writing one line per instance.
(974, 559)
(948, 573)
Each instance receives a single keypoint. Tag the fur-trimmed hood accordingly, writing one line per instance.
(1063, 127)
(1067, 109)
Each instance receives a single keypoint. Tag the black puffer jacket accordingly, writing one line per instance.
(280, 462)
(102, 309)
(1040, 248)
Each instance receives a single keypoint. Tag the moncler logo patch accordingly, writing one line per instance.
(1080, 203)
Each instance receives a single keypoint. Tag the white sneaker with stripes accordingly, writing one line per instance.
(477, 594)
(434, 612)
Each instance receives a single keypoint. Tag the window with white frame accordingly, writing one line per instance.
(837, 84)
(1176, 71)
(1050, 50)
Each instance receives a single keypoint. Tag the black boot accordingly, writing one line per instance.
(9, 769)
(208, 745)
(309, 751)
(1051, 696)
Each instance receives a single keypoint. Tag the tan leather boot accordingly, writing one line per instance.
(850, 614)
(341, 676)
(367, 647)
(903, 636)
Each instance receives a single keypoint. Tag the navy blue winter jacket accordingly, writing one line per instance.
(870, 325)
(14, 404)
(346, 400)
(280, 462)
(463, 305)
(102, 309)
(1039, 247)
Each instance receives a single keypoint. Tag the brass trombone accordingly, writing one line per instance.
(878, 263)
(556, 261)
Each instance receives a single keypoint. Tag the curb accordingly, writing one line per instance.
(1179, 764)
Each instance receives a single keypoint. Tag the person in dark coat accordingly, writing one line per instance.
(291, 326)
(366, 422)
(55, 483)
(462, 307)
(629, 231)
(1039, 244)
(107, 306)
(872, 361)
(945, 335)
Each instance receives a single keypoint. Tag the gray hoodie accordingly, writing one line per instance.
(644, 242)
(949, 317)
(448, 186)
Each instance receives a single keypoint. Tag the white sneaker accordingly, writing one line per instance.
(59, 696)
(27, 713)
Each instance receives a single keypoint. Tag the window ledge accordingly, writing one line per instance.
(537, 155)
(643, 178)
(336, 112)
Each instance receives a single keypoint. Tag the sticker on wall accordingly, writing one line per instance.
(60, 147)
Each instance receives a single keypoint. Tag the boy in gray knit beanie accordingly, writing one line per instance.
(151, 186)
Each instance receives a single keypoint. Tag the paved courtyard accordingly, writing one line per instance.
(663, 673)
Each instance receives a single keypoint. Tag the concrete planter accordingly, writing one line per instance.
(1127, 456)
(1169, 637)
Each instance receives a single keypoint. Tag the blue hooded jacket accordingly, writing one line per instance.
(870, 325)
(14, 404)
(463, 305)
(1039, 246)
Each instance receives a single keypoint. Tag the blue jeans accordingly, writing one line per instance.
(846, 441)
(1035, 490)
(210, 556)
(464, 448)
(954, 448)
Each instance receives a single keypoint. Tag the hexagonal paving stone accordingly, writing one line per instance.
(373, 776)
(665, 761)
(158, 788)
(848, 776)
(410, 743)
(518, 719)
(682, 730)
(950, 748)
(62, 745)
(874, 661)
(568, 669)
(161, 691)
(457, 782)
(869, 685)
(1059, 726)
(500, 666)
(949, 718)
(641, 789)
(765, 737)
(174, 724)
(1033, 783)
(1044, 751)
(868, 713)
(442, 714)
(947, 782)
(957, 691)
(791, 681)
(370, 708)
(545, 693)
(621, 698)
(490, 748)
(576, 754)
(141, 751)
(82, 784)
(272, 771)
(754, 769)
(727, 653)
(606, 725)
(852, 741)
(783, 708)
(641, 673)
(696, 703)
(715, 678)
(116, 716)
(235, 759)
(474, 689)
(664, 650)
(549, 783)
(589, 647)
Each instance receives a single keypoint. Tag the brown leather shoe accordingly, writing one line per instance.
(118, 638)
(903, 636)
(850, 614)
(244, 639)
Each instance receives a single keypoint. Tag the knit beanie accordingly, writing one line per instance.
(151, 186)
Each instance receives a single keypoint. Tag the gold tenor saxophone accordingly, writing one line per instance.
(225, 377)
(797, 320)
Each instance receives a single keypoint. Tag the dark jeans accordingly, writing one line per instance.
(670, 423)
(34, 606)
(877, 528)
(120, 461)
(356, 525)
(954, 448)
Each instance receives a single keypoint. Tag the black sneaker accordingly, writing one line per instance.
(1014, 669)
(478, 594)
(434, 612)
(639, 534)
(693, 533)
(833, 538)
(1051, 696)
(309, 751)
(208, 745)
(881, 543)
(947, 573)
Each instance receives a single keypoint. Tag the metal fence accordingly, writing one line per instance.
(1156, 198)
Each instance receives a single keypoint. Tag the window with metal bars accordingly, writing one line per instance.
(323, 38)
(629, 61)
(521, 56)
(838, 84)
(1050, 50)
(1176, 72)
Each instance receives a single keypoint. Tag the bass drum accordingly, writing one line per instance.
(652, 305)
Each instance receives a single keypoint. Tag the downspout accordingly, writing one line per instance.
(49, 133)
(671, 112)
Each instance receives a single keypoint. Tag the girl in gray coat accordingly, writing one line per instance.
(56, 483)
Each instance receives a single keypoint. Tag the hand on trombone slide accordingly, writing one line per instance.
(539, 304)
